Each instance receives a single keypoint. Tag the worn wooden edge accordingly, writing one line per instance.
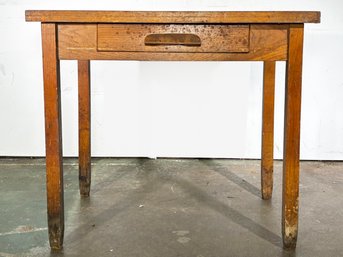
(173, 16)
(159, 56)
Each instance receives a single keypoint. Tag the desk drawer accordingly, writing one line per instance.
(173, 38)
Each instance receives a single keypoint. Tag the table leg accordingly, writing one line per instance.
(292, 136)
(268, 130)
(53, 135)
(84, 127)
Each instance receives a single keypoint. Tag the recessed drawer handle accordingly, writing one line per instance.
(172, 39)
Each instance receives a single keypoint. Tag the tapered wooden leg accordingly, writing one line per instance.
(292, 136)
(268, 130)
(84, 127)
(53, 135)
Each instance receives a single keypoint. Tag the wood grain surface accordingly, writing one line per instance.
(172, 17)
(213, 38)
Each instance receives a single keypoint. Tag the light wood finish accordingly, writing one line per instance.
(264, 36)
(213, 38)
(267, 43)
(291, 151)
(172, 17)
(267, 130)
(53, 135)
(84, 127)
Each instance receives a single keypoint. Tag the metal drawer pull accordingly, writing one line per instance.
(172, 39)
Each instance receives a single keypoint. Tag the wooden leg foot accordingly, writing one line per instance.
(84, 186)
(290, 236)
(56, 232)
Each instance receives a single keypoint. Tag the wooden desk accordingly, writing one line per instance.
(172, 36)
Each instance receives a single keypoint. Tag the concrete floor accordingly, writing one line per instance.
(170, 207)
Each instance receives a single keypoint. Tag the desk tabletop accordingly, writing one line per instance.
(172, 17)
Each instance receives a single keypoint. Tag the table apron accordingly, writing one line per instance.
(267, 42)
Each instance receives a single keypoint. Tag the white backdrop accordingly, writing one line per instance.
(171, 109)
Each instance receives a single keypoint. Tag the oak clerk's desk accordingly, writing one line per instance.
(172, 36)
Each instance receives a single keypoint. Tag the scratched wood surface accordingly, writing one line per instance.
(213, 38)
(172, 17)
(79, 41)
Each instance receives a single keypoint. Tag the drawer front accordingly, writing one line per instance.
(173, 38)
